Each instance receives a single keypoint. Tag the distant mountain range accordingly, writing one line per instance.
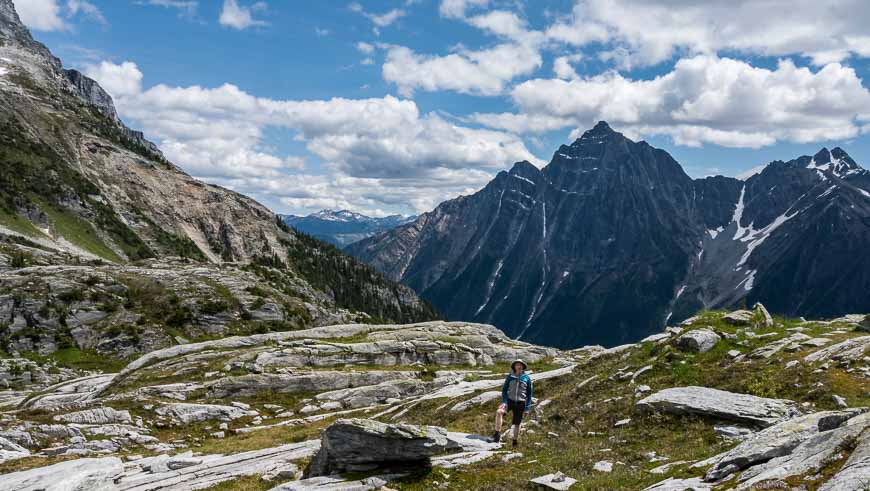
(612, 240)
(344, 227)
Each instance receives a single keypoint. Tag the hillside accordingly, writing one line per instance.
(108, 250)
(723, 401)
(612, 240)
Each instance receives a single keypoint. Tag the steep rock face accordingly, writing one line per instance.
(78, 186)
(612, 240)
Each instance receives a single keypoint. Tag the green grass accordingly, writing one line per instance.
(80, 360)
(19, 224)
(79, 232)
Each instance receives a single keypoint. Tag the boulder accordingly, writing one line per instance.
(362, 444)
(698, 340)
(776, 441)
(192, 413)
(808, 457)
(97, 416)
(554, 481)
(719, 404)
(864, 325)
(739, 318)
(73, 475)
(764, 318)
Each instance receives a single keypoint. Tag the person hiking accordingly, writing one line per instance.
(516, 397)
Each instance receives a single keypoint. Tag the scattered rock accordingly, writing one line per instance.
(192, 413)
(603, 466)
(839, 401)
(698, 340)
(362, 445)
(719, 404)
(477, 400)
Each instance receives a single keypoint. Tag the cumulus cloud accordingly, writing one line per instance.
(704, 99)
(379, 153)
(651, 31)
(456, 8)
(118, 80)
(241, 17)
(53, 15)
(484, 72)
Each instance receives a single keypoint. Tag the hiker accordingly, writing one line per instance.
(516, 396)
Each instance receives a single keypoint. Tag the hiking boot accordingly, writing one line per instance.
(496, 437)
(514, 444)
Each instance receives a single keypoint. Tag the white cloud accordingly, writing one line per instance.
(185, 7)
(484, 72)
(89, 10)
(241, 17)
(118, 80)
(52, 15)
(378, 153)
(365, 48)
(704, 99)
(456, 8)
(562, 66)
(379, 20)
(652, 31)
(41, 15)
(321, 32)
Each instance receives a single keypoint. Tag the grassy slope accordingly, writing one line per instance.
(577, 429)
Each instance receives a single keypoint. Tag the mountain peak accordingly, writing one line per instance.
(836, 160)
(600, 131)
(11, 26)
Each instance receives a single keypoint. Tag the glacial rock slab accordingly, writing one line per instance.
(719, 404)
(73, 475)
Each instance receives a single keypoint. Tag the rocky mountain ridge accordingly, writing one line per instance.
(611, 240)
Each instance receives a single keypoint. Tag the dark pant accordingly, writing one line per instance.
(517, 408)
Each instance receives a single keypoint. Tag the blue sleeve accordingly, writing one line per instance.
(529, 395)
(504, 389)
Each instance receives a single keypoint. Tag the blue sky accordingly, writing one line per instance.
(393, 106)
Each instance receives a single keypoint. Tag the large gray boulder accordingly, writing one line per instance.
(74, 475)
(698, 340)
(719, 404)
(739, 317)
(777, 441)
(363, 444)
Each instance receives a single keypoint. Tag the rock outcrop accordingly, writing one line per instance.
(719, 404)
(363, 445)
